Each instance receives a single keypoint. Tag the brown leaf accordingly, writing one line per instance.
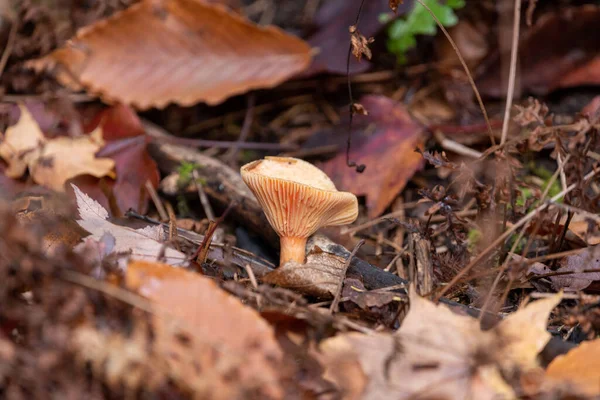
(439, 354)
(182, 51)
(560, 50)
(126, 144)
(394, 4)
(331, 38)
(385, 141)
(319, 276)
(228, 338)
(579, 367)
(360, 44)
(51, 162)
(581, 230)
(356, 292)
(574, 265)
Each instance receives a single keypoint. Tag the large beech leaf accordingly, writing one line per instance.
(182, 51)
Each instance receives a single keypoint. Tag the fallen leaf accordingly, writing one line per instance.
(580, 367)
(471, 41)
(227, 338)
(574, 265)
(332, 40)
(182, 51)
(51, 162)
(560, 50)
(356, 292)
(581, 230)
(592, 110)
(126, 144)
(142, 244)
(439, 354)
(384, 141)
(319, 276)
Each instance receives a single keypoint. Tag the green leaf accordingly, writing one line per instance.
(419, 21)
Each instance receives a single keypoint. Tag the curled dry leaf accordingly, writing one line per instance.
(439, 354)
(331, 37)
(360, 44)
(580, 367)
(319, 276)
(224, 337)
(51, 162)
(182, 51)
(140, 244)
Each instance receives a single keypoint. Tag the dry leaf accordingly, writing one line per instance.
(51, 162)
(575, 264)
(126, 144)
(579, 367)
(331, 36)
(141, 244)
(226, 338)
(394, 4)
(360, 44)
(439, 354)
(560, 50)
(21, 144)
(581, 229)
(385, 141)
(182, 51)
(319, 276)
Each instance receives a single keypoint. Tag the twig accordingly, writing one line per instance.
(251, 276)
(458, 148)
(338, 292)
(563, 176)
(507, 233)
(210, 215)
(556, 255)
(9, 46)
(156, 200)
(464, 65)
(560, 273)
(359, 168)
(513, 70)
(172, 226)
(368, 224)
(202, 251)
(577, 210)
(246, 125)
(159, 135)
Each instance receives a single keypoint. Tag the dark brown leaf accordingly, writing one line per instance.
(385, 141)
(560, 50)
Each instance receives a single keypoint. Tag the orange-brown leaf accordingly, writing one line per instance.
(579, 367)
(182, 51)
(227, 338)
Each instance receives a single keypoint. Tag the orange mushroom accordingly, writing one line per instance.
(298, 199)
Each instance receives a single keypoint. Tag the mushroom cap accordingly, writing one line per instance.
(297, 197)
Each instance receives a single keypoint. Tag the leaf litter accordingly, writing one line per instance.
(459, 248)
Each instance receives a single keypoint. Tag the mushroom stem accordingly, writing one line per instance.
(292, 249)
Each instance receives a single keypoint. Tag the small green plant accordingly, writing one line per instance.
(402, 31)
(474, 237)
(185, 171)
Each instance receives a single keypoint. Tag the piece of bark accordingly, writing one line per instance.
(424, 275)
(222, 184)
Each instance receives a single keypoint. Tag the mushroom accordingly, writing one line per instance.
(298, 199)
